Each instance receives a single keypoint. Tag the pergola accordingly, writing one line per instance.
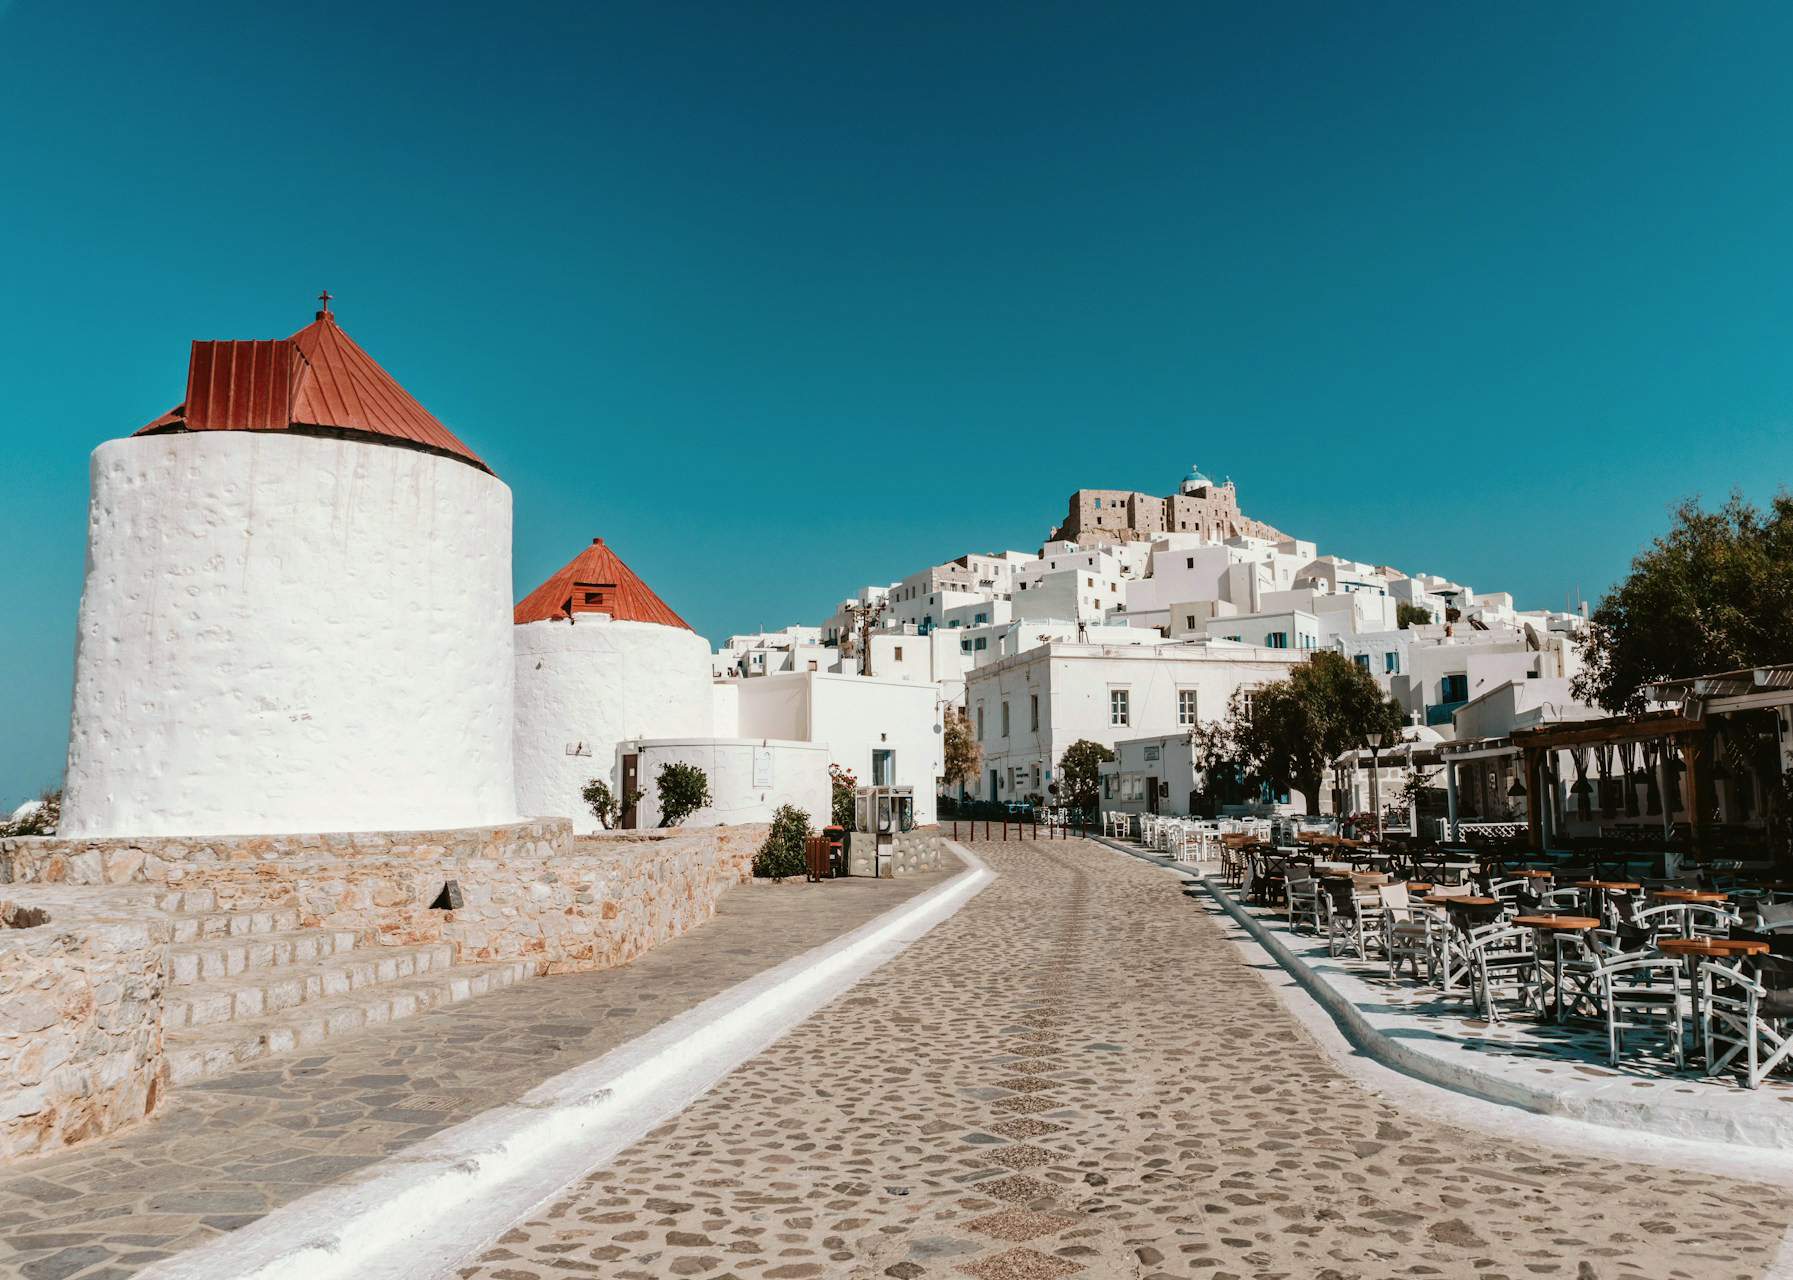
(1675, 730)
(1405, 754)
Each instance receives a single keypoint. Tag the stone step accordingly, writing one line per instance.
(200, 1052)
(187, 900)
(214, 959)
(234, 924)
(265, 991)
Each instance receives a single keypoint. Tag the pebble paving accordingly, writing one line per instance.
(1078, 1075)
(223, 1153)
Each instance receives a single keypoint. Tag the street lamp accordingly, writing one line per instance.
(1375, 741)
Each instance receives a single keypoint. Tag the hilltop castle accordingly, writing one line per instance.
(1199, 506)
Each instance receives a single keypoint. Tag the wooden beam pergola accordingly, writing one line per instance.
(1613, 729)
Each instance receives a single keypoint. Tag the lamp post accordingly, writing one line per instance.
(1375, 741)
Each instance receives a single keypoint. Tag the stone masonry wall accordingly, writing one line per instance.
(529, 891)
(184, 862)
(81, 975)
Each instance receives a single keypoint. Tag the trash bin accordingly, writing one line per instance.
(815, 857)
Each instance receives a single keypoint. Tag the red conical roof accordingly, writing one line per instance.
(595, 581)
(317, 379)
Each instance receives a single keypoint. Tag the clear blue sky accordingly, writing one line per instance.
(784, 298)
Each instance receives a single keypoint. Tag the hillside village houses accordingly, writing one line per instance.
(1168, 605)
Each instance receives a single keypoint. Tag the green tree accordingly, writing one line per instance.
(1296, 727)
(1412, 615)
(1079, 773)
(1715, 593)
(960, 750)
(782, 853)
(843, 785)
(683, 790)
(1215, 752)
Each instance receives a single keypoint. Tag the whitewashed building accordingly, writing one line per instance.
(1027, 709)
(600, 658)
(295, 615)
(884, 730)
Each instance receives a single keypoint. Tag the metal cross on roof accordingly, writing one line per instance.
(324, 298)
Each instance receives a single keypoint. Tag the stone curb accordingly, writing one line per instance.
(416, 1214)
(1593, 1103)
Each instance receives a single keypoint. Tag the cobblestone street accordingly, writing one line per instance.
(224, 1153)
(1077, 1075)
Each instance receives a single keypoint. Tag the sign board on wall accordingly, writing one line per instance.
(762, 768)
(1151, 754)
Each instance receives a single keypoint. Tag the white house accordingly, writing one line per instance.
(1293, 629)
(1027, 709)
(884, 730)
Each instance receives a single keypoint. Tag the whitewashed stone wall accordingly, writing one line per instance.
(280, 633)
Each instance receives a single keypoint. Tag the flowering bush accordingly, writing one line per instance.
(843, 785)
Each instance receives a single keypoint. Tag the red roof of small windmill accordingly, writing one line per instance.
(316, 378)
(628, 598)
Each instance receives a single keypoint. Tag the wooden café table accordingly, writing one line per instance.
(1690, 895)
(1556, 928)
(1694, 950)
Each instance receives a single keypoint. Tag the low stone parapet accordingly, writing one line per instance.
(176, 861)
(529, 891)
(81, 980)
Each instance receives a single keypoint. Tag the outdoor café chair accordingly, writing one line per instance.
(1502, 956)
(1450, 958)
(1579, 960)
(1684, 920)
(1563, 900)
(1303, 895)
(1407, 930)
(1348, 924)
(1639, 992)
(1747, 1016)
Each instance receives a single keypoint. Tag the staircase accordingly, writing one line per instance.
(243, 985)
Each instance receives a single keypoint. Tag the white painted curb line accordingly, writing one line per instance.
(416, 1214)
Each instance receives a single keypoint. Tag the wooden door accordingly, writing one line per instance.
(631, 772)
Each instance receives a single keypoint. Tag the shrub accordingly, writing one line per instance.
(782, 854)
(34, 818)
(684, 789)
(605, 807)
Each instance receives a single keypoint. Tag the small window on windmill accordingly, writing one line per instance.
(594, 597)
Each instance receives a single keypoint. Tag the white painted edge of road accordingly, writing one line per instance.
(415, 1214)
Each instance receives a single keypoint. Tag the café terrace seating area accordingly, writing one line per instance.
(1591, 954)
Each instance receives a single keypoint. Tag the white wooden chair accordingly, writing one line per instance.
(1638, 992)
(1501, 956)
(1746, 1018)
(1407, 930)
